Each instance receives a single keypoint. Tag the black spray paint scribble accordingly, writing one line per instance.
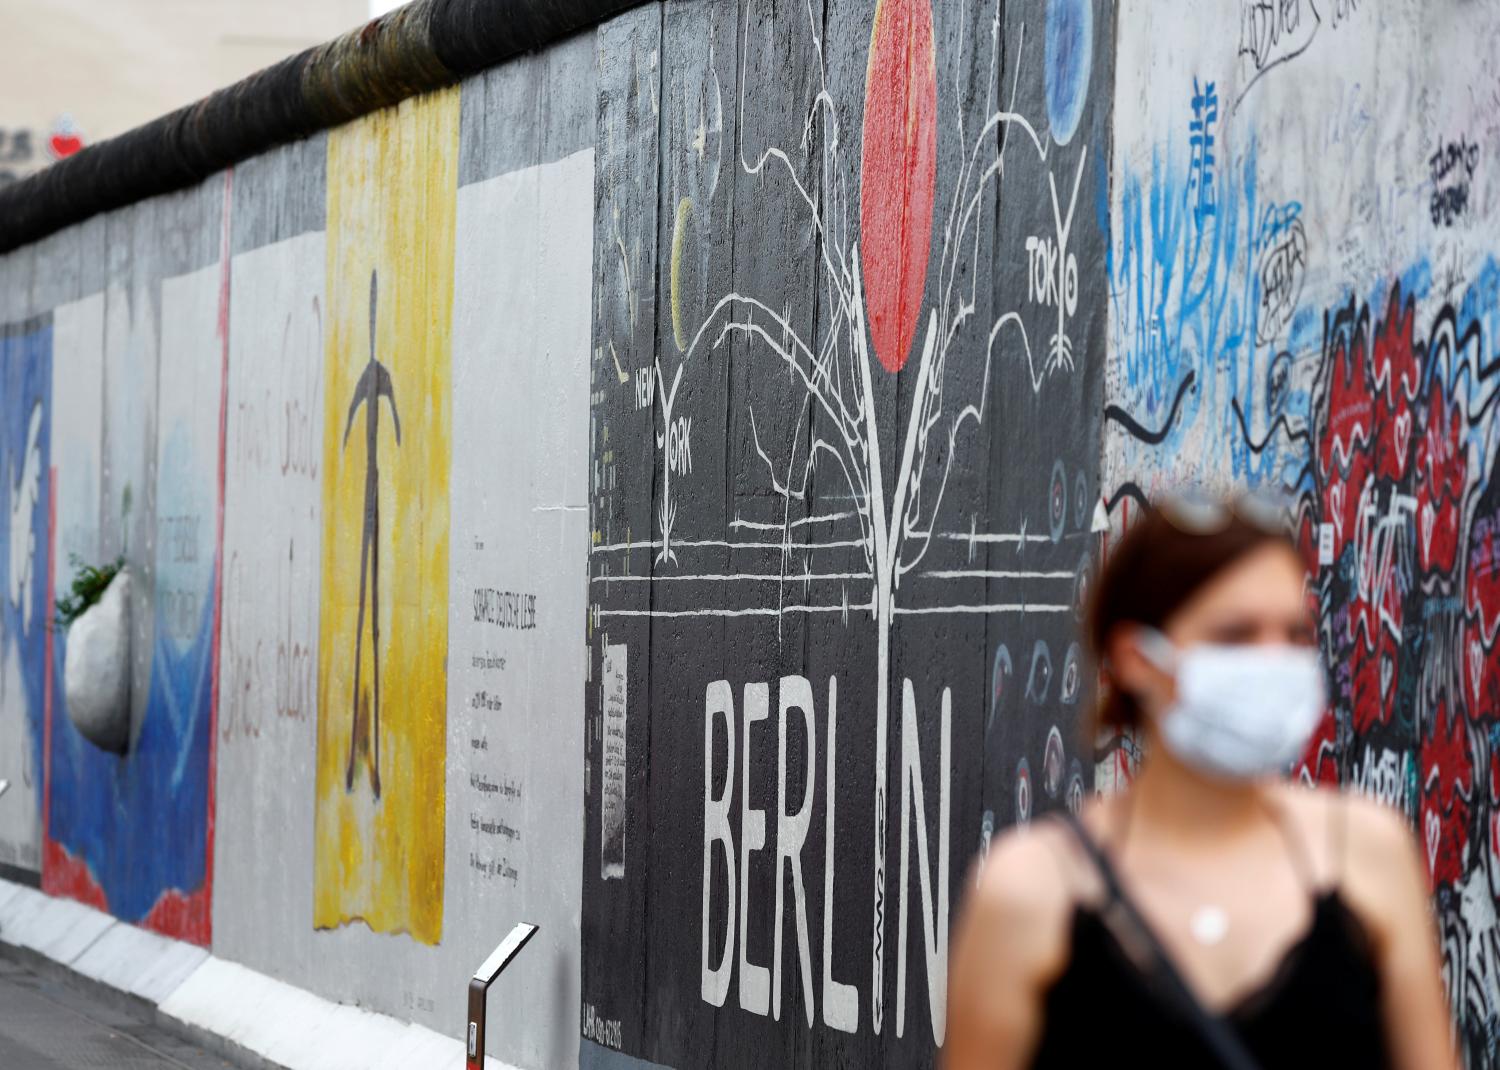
(1452, 169)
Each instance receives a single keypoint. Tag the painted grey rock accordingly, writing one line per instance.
(96, 671)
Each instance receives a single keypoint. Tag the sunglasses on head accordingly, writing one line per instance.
(1195, 511)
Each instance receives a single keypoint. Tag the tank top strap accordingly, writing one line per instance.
(1212, 1028)
(1100, 862)
(1296, 848)
(1338, 838)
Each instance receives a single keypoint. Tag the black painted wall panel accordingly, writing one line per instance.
(826, 476)
(625, 163)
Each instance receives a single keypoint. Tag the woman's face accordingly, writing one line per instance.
(1259, 599)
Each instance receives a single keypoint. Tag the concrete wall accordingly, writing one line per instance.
(765, 398)
(191, 364)
(479, 233)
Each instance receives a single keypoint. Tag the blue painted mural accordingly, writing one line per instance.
(131, 833)
(25, 489)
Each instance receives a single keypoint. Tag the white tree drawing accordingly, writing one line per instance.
(893, 515)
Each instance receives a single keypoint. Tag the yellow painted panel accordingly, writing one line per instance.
(392, 194)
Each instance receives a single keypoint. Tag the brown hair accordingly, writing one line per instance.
(1149, 574)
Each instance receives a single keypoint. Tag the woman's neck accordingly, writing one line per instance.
(1167, 792)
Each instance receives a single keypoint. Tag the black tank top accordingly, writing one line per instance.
(1319, 1008)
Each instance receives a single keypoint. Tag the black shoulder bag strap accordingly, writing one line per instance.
(1225, 1043)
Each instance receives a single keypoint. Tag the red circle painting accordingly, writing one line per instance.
(898, 173)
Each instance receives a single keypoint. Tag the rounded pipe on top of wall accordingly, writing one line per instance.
(425, 45)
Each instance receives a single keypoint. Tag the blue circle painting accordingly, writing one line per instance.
(1070, 54)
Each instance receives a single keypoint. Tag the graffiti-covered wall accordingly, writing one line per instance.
(1305, 293)
(648, 489)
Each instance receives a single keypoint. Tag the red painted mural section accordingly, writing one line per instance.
(1411, 599)
(182, 917)
(66, 875)
(898, 174)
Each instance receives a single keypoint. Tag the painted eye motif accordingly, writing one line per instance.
(1052, 762)
(999, 671)
(1057, 501)
(1082, 579)
(1039, 681)
(1072, 676)
(1075, 787)
(1023, 792)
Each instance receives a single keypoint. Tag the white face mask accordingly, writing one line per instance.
(1242, 711)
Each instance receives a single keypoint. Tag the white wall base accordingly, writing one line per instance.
(204, 995)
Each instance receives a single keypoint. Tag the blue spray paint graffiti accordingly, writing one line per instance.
(1204, 279)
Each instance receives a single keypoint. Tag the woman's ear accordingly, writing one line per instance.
(1132, 671)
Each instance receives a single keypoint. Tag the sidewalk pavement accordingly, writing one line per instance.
(47, 1024)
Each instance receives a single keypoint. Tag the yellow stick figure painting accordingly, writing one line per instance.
(374, 383)
(382, 729)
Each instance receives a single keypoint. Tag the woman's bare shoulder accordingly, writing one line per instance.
(1375, 862)
(1026, 867)
(1011, 944)
(1383, 859)
(1356, 823)
(1362, 822)
(1022, 896)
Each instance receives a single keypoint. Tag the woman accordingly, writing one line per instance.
(1211, 914)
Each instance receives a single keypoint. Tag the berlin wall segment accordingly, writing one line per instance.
(844, 504)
